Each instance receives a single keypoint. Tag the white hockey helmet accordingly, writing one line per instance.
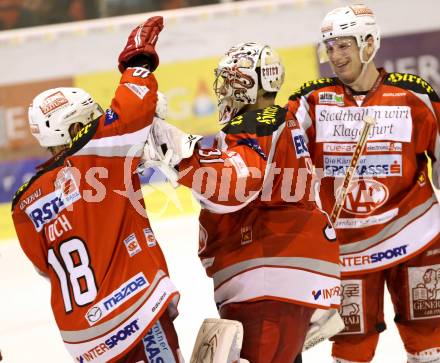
(53, 111)
(243, 70)
(356, 21)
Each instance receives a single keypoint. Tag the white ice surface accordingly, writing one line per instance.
(27, 328)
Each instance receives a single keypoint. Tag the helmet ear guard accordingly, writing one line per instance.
(53, 111)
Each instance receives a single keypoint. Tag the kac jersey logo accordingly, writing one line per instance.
(365, 196)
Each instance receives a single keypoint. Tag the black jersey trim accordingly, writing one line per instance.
(413, 83)
(312, 86)
(263, 122)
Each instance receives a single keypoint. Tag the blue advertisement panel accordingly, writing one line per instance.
(13, 174)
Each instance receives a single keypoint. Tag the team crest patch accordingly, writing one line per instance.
(421, 179)
(246, 235)
(365, 196)
(351, 310)
(424, 285)
(149, 237)
(132, 245)
(110, 117)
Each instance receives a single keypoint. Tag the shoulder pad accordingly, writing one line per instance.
(260, 122)
(312, 86)
(413, 83)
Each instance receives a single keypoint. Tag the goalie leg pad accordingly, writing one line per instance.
(218, 341)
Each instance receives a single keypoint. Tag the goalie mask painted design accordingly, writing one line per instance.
(245, 69)
(53, 111)
(355, 21)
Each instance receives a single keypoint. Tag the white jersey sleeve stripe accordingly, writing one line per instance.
(309, 264)
(303, 116)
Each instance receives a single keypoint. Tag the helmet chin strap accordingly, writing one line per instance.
(364, 64)
(364, 68)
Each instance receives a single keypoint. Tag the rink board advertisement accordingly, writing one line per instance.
(188, 86)
(14, 102)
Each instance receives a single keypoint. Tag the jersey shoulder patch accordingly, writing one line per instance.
(262, 122)
(413, 83)
(310, 86)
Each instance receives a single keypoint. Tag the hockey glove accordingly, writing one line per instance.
(166, 147)
(140, 43)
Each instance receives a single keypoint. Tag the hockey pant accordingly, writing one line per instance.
(274, 331)
(414, 287)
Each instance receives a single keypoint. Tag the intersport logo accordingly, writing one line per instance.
(365, 196)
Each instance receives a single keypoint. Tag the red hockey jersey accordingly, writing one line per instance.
(261, 233)
(391, 212)
(81, 221)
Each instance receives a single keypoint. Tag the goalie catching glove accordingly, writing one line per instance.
(167, 145)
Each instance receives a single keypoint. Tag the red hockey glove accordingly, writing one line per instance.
(141, 42)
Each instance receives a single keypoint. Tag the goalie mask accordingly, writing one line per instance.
(244, 70)
(355, 21)
(53, 111)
